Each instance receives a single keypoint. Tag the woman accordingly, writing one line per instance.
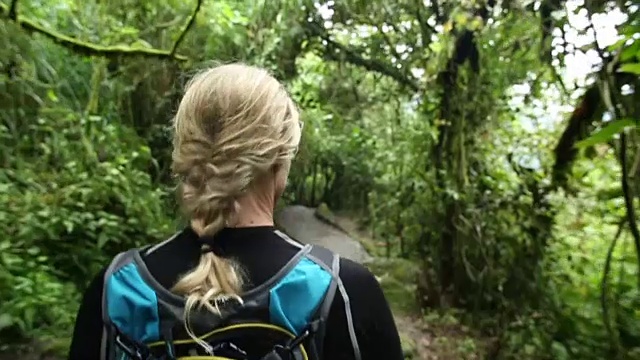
(235, 134)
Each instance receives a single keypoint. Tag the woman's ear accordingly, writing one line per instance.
(280, 175)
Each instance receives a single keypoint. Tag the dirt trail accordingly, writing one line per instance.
(411, 330)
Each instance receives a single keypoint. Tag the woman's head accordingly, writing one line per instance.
(235, 133)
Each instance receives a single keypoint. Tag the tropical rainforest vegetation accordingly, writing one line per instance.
(493, 144)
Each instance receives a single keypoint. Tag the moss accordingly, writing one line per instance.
(56, 347)
(409, 346)
(324, 213)
(397, 279)
(44, 346)
(368, 244)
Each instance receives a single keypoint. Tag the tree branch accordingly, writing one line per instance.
(546, 9)
(583, 119)
(371, 64)
(436, 10)
(351, 56)
(628, 198)
(89, 49)
(190, 23)
(604, 285)
(389, 22)
(611, 96)
(559, 80)
(388, 19)
(425, 29)
(390, 44)
(13, 10)
(633, 172)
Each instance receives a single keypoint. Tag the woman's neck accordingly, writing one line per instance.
(252, 222)
(253, 211)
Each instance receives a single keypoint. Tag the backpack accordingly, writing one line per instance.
(282, 319)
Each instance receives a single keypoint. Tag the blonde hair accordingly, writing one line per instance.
(234, 124)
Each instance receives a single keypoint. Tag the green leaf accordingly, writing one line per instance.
(612, 193)
(633, 68)
(606, 133)
(461, 19)
(630, 52)
(102, 240)
(29, 317)
(617, 45)
(52, 96)
(228, 11)
(5, 321)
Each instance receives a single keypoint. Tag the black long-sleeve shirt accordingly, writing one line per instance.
(261, 252)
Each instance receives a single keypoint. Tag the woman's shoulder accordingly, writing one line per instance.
(164, 260)
(373, 320)
(355, 275)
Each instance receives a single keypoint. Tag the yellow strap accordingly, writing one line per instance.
(227, 328)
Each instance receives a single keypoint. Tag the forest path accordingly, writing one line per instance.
(342, 235)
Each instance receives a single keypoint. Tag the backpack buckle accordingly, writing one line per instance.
(229, 349)
(132, 350)
(298, 340)
(285, 352)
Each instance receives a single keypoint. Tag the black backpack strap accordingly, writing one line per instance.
(327, 260)
(145, 251)
(351, 328)
(330, 261)
(108, 332)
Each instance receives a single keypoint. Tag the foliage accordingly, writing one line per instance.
(74, 191)
(440, 124)
(397, 279)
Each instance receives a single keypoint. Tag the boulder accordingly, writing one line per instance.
(305, 225)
